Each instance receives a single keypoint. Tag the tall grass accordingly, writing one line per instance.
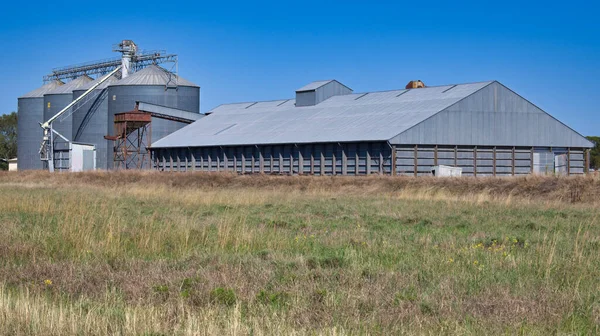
(147, 253)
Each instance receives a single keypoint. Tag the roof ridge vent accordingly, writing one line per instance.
(316, 92)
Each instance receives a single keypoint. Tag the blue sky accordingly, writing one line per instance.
(549, 52)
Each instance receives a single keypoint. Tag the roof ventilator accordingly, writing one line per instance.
(415, 84)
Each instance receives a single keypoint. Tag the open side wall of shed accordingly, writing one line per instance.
(288, 159)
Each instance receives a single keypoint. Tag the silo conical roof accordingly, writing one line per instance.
(72, 85)
(88, 85)
(41, 91)
(153, 75)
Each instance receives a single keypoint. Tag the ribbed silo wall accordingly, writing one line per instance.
(161, 128)
(30, 115)
(123, 98)
(90, 123)
(53, 103)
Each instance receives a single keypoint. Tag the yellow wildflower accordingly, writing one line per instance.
(48, 282)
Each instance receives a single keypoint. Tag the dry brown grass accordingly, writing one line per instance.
(145, 253)
(574, 189)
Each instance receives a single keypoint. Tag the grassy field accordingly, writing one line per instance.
(187, 254)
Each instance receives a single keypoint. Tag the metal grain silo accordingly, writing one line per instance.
(152, 85)
(30, 115)
(59, 98)
(90, 119)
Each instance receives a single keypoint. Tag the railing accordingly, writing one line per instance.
(102, 67)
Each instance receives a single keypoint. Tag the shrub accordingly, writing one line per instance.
(406, 294)
(161, 288)
(325, 262)
(224, 296)
(426, 308)
(319, 295)
(273, 298)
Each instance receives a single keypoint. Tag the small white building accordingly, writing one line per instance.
(12, 164)
(446, 171)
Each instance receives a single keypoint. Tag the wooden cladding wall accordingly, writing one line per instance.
(419, 160)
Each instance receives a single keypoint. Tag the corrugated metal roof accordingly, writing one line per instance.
(41, 91)
(169, 111)
(72, 85)
(376, 116)
(153, 75)
(274, 104)
(104, 85)
(314, 85)
(317, 84)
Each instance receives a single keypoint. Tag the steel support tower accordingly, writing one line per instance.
(133, 135)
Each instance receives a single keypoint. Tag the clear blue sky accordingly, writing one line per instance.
(549, 52)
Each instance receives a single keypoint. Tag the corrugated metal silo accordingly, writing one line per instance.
(90, 119)
(156, 86)
(59, 98)
(30, 115)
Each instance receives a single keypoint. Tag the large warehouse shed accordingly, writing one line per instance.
(484, 128)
